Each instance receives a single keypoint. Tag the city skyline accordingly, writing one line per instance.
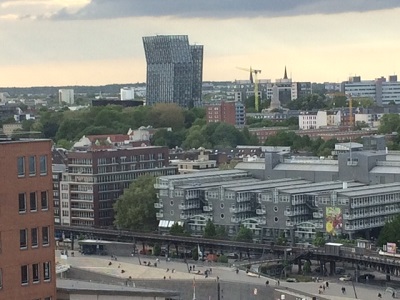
(94, 42)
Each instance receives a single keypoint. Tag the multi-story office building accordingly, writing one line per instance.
(66, 96)
(294, 208)
(97, 176)
(27, 245)
(381, 90)
(174, 70)
(231, 112)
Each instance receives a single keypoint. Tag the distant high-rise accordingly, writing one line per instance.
(174, 70)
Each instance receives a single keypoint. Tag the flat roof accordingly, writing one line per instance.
(86, 287)
(385, 170)
(373, 189)
(228, 183)
(203, 174)
(252, 165)
(319, 186)
(270, 184)
(306, 167)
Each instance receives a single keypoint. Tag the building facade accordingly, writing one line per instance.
(97, 176)
(27, 245)
(66, 96)
(383, 91)
(127, 93)
(174, 70)
(231, 112)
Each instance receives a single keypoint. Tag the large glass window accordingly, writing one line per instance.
(43, 165)
(35, 272)
(22, 202)
(44, 200)
(23, 238)
(21, 166)
(24, 274)
(46, 270)
(32, 165)
(33, 201)
(45, 236)
(34, 237)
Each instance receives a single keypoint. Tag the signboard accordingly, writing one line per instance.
(334, 220)
(391, 248)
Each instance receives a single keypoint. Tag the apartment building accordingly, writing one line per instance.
(27, 245)
(319, 119)
(230, 112)
(97, 176)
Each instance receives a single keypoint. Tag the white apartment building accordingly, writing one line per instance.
(127, 93)
(381, 90)
(66, 96)
(372, 120)
(316, 120)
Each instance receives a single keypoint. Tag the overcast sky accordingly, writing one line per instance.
(68, 42)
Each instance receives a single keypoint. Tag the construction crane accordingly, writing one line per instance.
(255, 72)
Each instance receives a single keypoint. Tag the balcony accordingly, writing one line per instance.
(208, 208)
(183, 217)
(262, 221)
(319, 225)
(261, 211)
(318, 215)
(235, 220)
(242, 199)
(235, 210)
(289, 223)
(189, 206)
(298, 202)
(158, 205)
(288, 213)
(348, 227)
(159, 215)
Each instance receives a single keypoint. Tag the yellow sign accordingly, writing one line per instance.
(334, 220)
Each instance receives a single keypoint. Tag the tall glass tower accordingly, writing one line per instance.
(174, 70)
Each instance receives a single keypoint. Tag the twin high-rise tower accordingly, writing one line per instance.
(174, 70)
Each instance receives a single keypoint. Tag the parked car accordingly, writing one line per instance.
(345, 278)
(291, 280)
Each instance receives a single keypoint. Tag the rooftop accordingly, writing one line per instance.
(373, 189)
(204, 174)
(319, 186)
(269, 184)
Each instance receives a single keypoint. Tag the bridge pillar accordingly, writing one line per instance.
(322, 267)
(387, 273)
(332, 267)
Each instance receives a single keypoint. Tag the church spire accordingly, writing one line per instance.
(285, 75)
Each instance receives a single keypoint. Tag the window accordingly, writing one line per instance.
(32, 201)
(43, 165)
(45, 236)
(24, 274)
(23, 237)
(44, 200)
(21, 166)
(32, 165)
(47, 298)
(34, 237)
(35, 273)
(46, 270)
(22, 203)
(1, 279)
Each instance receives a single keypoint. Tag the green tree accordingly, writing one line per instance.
(307, 267)
(210, 230)
(281, 240)
(390, 232)
(319, 239)
(135, 207)
(244, 235)
(390, 123)
(220, 232)
(156, 249)
(177, 229)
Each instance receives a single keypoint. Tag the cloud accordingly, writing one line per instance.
(105, 9)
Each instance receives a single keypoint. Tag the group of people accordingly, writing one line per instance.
(322, 287)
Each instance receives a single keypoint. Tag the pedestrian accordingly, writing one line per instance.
(278, 283)
(343, 290)
(379, 295)
(323, 288)
(267, 282)
(327, 284)
(190, 268)
(393, 294)
(237, 271)
(194, 267)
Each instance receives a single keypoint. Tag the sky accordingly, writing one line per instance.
(95, 42)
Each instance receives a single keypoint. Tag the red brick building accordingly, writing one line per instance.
(230, 112)
(27, 263)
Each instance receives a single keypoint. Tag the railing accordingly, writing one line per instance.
(158, 205)
(318, 215)
(261, 211)
(288, 213)
(207, 208)
(160, 215)
(235, 220)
